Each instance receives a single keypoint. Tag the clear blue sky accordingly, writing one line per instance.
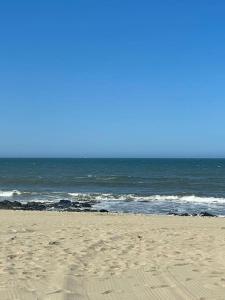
(112, 78)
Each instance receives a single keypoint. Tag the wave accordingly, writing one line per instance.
(9, 193)
(191, 198)
(99, 197)
(151, 198)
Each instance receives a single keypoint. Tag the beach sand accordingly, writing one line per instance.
(53, 255)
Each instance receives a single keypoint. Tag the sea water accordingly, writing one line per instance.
(153, 186)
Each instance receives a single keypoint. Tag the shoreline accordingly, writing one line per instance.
(98, 256)
(82, 206)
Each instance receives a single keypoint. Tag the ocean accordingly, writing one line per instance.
(150, 186)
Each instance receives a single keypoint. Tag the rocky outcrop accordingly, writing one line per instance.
(62, 205)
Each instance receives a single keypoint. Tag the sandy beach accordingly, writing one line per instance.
(52, 255)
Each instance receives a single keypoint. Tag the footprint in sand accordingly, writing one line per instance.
(106, 292)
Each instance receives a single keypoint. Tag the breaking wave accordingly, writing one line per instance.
(100, 197)
(151, 198)
(9, 193)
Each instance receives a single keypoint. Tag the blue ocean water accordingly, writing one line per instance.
(155, 186)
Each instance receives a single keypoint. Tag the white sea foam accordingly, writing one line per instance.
(176, 198)
(9, 193)
(151, 198)
(121, 197)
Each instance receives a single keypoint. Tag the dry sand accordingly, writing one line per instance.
(50, 255)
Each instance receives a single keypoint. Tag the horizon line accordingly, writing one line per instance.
(109, 157)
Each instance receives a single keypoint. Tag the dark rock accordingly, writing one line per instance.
(34, 206)
(206, 214)
(64, 203)
(172, 213)
(17, 204)
(103, 211)
(6, 204)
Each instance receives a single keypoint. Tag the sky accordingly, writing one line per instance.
(113, 78)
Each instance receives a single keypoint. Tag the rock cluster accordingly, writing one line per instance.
(62, 205)
(201, 214)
